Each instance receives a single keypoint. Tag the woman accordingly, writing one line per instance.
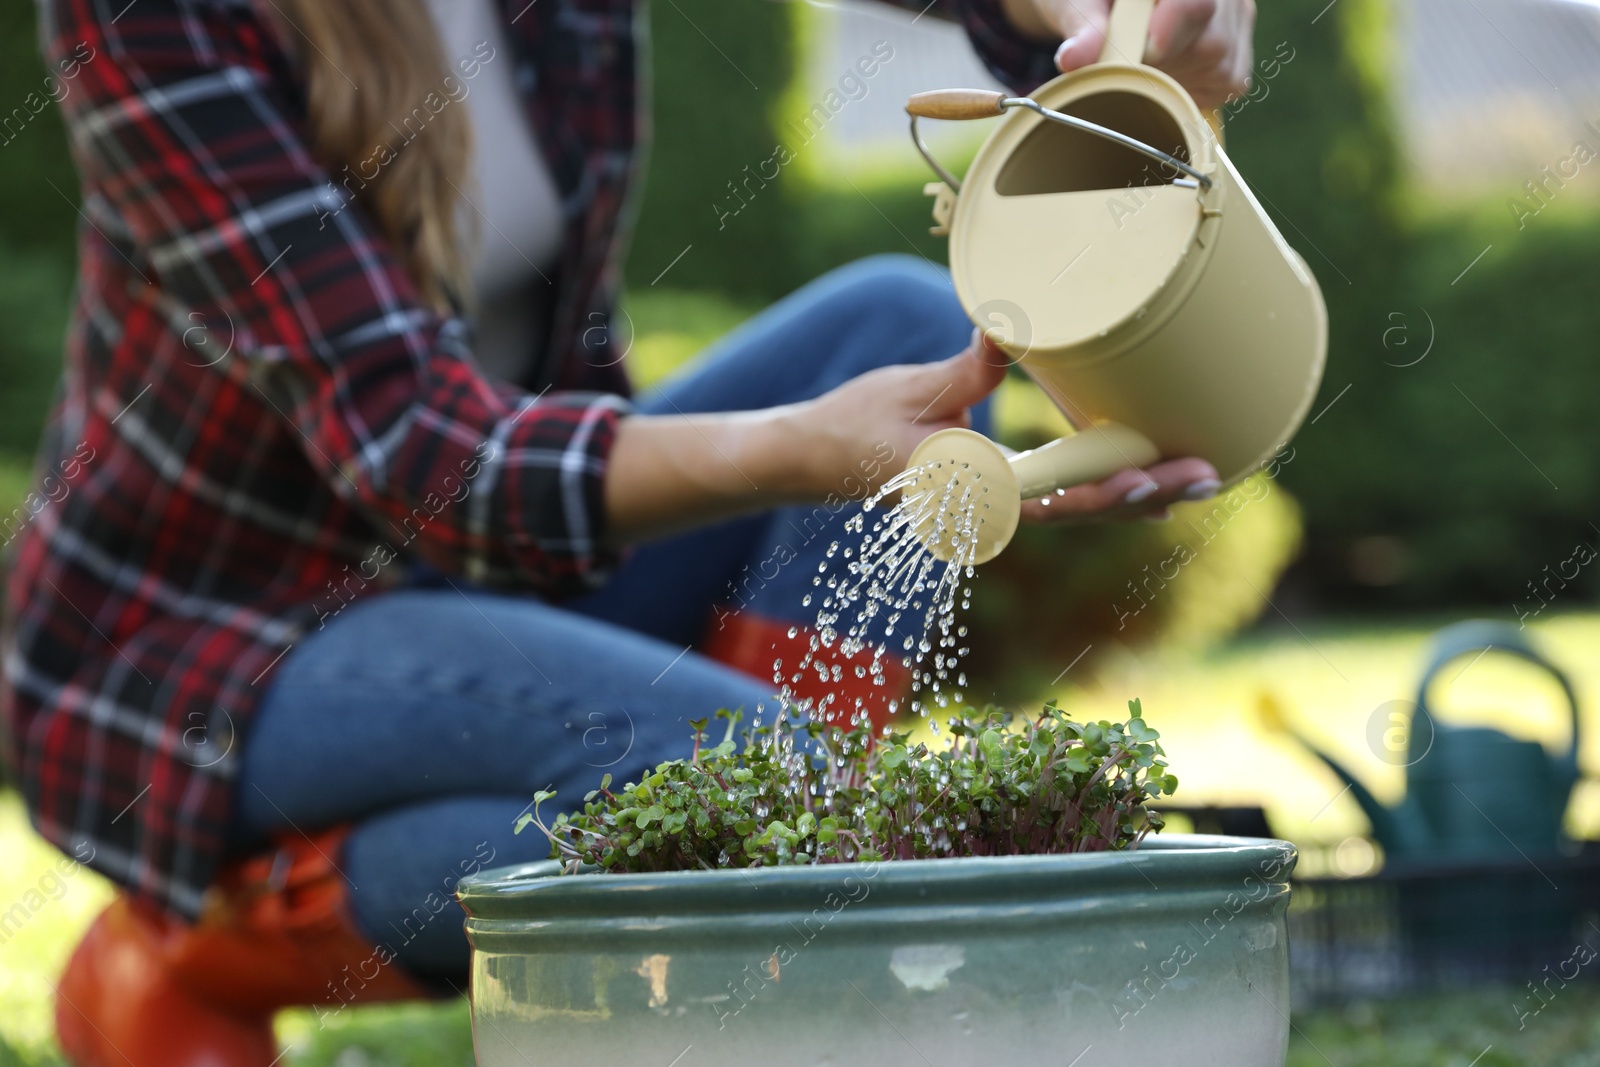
(325, 597)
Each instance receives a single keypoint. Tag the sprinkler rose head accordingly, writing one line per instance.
(971, 492)
(964, 474)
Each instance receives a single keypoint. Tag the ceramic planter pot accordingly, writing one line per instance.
(1174, 953)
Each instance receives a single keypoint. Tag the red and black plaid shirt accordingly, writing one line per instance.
(261, 421)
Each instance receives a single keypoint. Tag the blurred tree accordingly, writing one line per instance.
(33, 154)
(721, 69)
(1490, 486)
(1459, 396)
(37, 221)
(1318, 149)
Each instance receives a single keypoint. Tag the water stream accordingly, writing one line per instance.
(895, 574)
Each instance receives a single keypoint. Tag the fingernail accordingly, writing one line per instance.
(1204, 489)
(1065, 46)
(1143, 491)
(1159, 516)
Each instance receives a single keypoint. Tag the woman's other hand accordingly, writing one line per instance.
(1204, 44)
(673, 472)
(1127, 494)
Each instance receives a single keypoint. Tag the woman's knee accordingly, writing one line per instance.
(909, 313)
(907, 305)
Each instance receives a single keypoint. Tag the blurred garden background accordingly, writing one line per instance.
(1431, 161)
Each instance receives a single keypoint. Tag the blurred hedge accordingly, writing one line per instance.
(35, 295)
(724, 84)
(1479, 467)
(721, 68)
(1432, 484)
(36, 229)
(32, 214)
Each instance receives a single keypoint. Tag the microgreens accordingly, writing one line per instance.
(802, 793)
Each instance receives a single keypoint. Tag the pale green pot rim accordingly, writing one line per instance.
(532, 908)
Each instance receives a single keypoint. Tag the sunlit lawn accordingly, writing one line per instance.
(1330, 680)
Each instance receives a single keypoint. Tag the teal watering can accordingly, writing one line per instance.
(1473, 792)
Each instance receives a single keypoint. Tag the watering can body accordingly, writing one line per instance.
(1482, 793)
(1154, 302)
(1473, 793)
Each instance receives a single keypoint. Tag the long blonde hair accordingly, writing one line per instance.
(369, 65)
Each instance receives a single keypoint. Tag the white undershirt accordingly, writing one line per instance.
(515, 206)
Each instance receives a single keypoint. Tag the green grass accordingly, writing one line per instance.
(1459, 1029)
(1462, 1029)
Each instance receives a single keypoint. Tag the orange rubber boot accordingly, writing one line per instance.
(143, 989)
(751, 644)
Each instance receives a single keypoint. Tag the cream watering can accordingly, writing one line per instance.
(1105, 241)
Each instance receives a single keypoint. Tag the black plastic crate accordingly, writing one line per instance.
(1417, 927)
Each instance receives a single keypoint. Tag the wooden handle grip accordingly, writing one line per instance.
(955, 104)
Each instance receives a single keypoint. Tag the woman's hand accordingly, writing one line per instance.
(1127, 494)
(672, 472)
(868, 427)
(1204, 44)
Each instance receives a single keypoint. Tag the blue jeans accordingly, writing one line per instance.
(428, 716)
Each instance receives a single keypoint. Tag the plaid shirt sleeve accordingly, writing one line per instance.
(191, 145)
(1018, 62)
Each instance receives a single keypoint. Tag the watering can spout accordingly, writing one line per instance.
(972, 491)
(1401, 830)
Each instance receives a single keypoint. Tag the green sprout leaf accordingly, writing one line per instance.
(796, 792)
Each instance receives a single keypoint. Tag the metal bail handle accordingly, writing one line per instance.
(1483, 635)
(1126, 32)
(961, 104)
